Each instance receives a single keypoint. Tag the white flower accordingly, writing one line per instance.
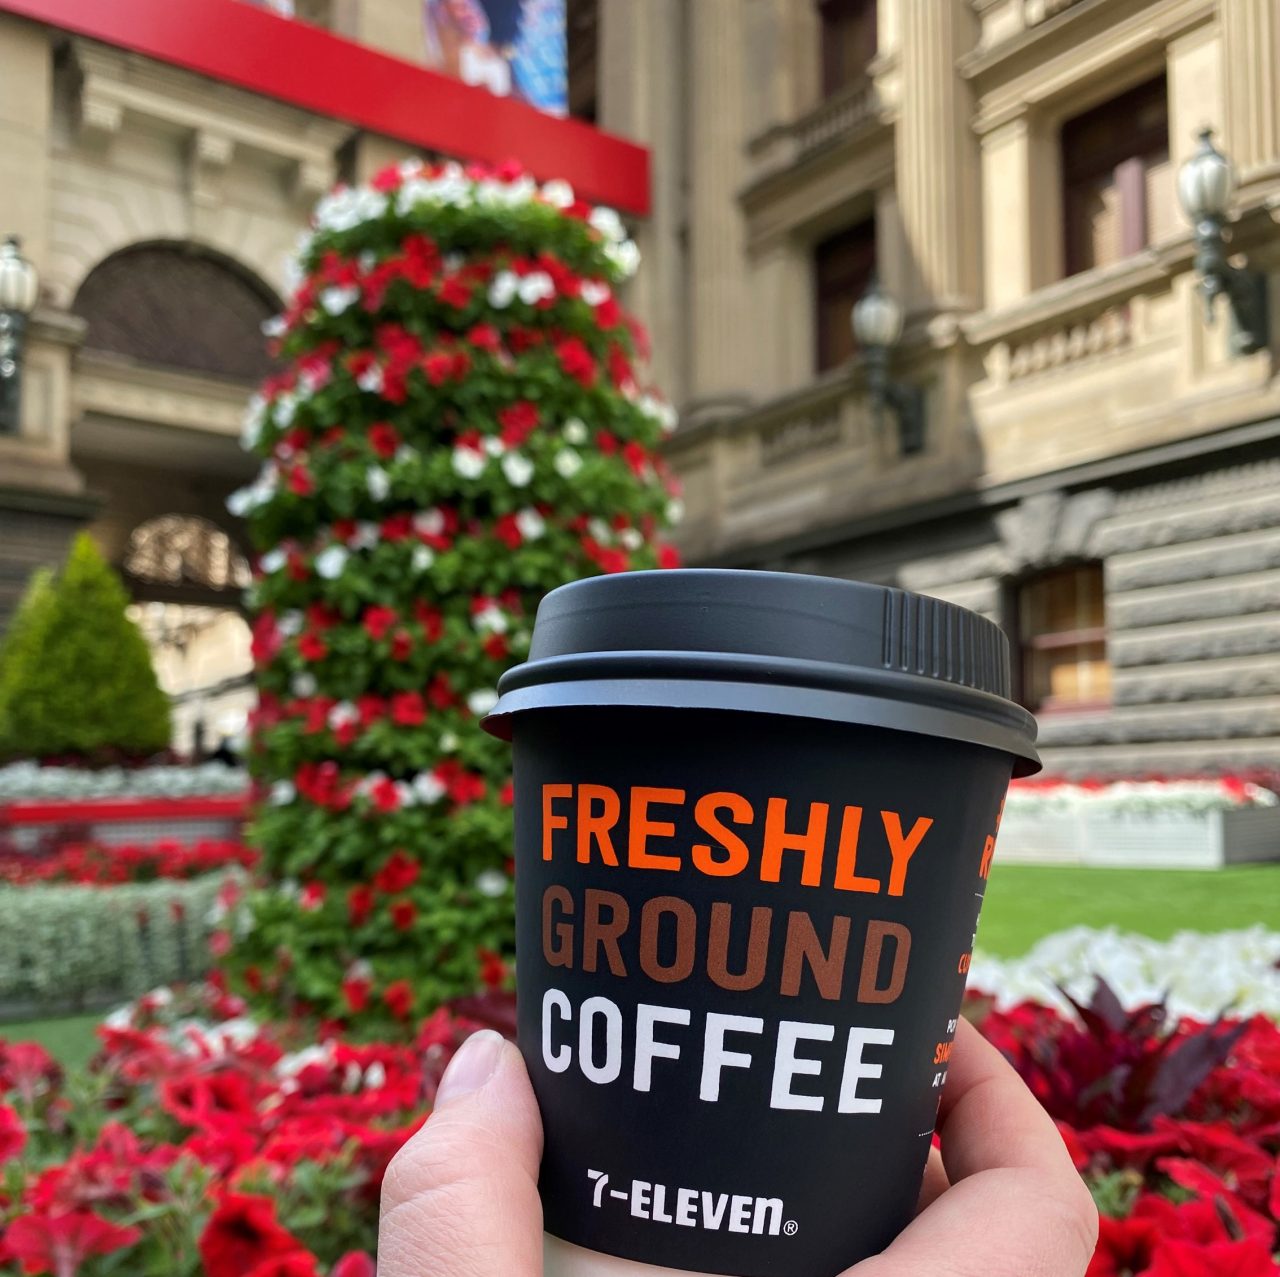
(342, 714)
(255, 414)
(595, 292)
(490, 620)
(567, 463)
(600, 530)
(333, 301)
(518, 469)
(370, 380)
(282, 793)
(330, 562)
(535, 286)
(283, 409)
(480, 702)
(631, 538)
(575, 431)
(449, 742)
(558, 193)
(273, 560)
(375, 1076)
(530, 523)
(675, 510)
(429, 787)
(273, 327)
(494, 446)
(289, 1066)
(608, 223)
(303, 684)
(624, 256)
(423, 558)
(378, 483)
(348, 207)
(405, 454)
(290, 623)
(503, 289)
(429, 522)
(366, 536)
(469, 463)
(368, 259)
(492, 883)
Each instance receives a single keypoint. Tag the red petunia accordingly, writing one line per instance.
(668, 556)
(356, 1263)
(398, 997)
(301, 483)
(576, 361)
(408, 709)
(359, 904)
(518, 421)
(496, 647)
(507, 530)
(454, 291)
(493, 971)
(401, 645)
(312, 896)
(60, 1243)
(398, 873)
(484, 337)
(383, 439)
(385, 794)
(356, 994)
(296, 1263)
(243, 1232)
(13, 1135)
(311, 647)
(1175, 1258)
(403, 914)
(377, 621)
(439, 366)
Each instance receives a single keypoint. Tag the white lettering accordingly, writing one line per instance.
(556, 1061)
(640, 1198)
(686, 1202)
(738, 1213)
(612, 1066)
(714, 1055)
(648, 1048)
(855, 1069)
(786, 1064)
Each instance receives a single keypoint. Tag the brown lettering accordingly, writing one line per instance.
(686, 938)
(877, 932)
(597, 933)
(557, 937)
(803, 946)
(757, 948)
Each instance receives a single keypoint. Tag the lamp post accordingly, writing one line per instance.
(877, 328)
(1205, 186)
(19, 287)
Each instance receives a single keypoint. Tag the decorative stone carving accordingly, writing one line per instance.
(1050, 527)
(1104, 334)
(798, 436)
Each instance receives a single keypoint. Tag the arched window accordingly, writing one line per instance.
(178, 307)
(179, 550)
(1062, 639)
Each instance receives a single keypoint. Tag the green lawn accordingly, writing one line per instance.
(1026, 902)
(71, 1039)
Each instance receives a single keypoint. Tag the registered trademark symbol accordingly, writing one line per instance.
(791, 1228)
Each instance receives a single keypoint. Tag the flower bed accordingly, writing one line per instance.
(1199, 823)
(28, 781)
(234, 1150)
(66, 946)
(90, 864)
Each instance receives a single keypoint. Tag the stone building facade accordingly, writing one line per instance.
(1100, 473)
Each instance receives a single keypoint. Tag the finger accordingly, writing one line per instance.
(460, 1199)
(1016, 1207)
(935, 1181)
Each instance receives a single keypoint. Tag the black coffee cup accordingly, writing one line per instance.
(755, 813)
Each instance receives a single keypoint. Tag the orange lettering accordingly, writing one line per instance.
(847, 859)
(550, 821)
(736, 851)
(642, 828)
(777, 840)
(902, 849)
(988, 850)
(597, 825)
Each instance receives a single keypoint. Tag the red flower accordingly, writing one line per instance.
(359, 904)
(301, 483)
(439, 366)
(399, 873)
(408, 709)
(1216, 1259)
(355, 1263)
(241, 1233)
(401, 645)
(383, 439)
(297, 1263)
(493, 971)
(636, 457)
(385, 795)
(454, 291)
(496, 647)
(518, 422)
(356, 993)
(403, 914)
(398, 997)
(312, 896)
(576, 361)
(60, 1243)
(13, 1135)
(484, 337)
(220, 943)
(507, 530)
(668, 556)
(311, 647)
(606, 442)
(377, 621)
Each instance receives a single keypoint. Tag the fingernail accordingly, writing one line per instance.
(471, 1067)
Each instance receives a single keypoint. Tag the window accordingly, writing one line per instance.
(842, 268)
(1117, 180)
(848, 41)
(582, 29)
(1062, 640)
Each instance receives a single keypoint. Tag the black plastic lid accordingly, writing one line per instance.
(775, 643)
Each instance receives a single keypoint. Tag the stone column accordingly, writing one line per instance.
(719, 306)
(1251, 57)
(937, 162)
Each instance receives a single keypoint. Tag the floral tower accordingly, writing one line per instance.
(459, 426)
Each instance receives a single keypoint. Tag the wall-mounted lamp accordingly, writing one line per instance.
(877, 327)
(19, 287)
(1205, 186)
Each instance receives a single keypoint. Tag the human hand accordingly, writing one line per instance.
(1002, 1200)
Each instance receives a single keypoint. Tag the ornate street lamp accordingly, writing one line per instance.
(1205, 186)
(19, 287)
(877, 328)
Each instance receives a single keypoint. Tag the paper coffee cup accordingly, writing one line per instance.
(755, 813)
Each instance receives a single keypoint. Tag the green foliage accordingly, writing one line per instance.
(460, 426)
(77, 673)
(70, 945)
(17, 640)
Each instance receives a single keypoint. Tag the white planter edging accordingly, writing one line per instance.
(1152, 840)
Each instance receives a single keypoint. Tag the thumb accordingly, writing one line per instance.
(460, 1199)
